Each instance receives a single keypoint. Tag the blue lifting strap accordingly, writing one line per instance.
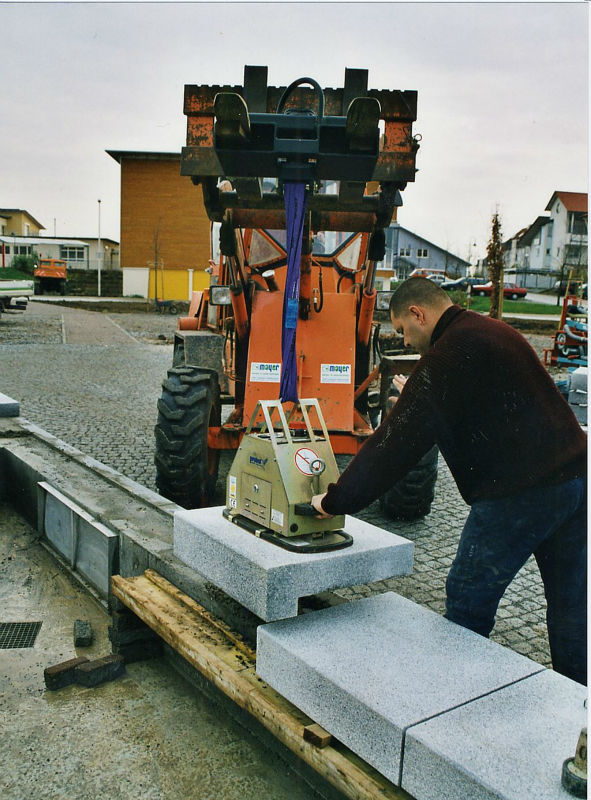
(295, 210)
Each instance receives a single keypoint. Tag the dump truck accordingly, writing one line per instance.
(50, 276)
(355, 151)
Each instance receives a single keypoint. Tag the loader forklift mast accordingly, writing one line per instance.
(354, 150)
(255, 131)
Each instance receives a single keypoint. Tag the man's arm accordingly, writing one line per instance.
(406, 434)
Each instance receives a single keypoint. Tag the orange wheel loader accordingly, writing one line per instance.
(354, 149)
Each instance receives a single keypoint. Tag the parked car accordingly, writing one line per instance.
(428, 273)
(460, 283)
(438, 279)
(510, 290)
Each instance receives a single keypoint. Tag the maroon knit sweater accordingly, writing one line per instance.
(483, 396)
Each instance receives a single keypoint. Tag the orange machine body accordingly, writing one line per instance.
(51, 268)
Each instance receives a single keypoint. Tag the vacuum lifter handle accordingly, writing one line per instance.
(305, 510)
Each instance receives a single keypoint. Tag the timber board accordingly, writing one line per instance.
(221, 656)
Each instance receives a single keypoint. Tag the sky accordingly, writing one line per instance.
(502, 98)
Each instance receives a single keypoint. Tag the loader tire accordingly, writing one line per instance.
(411, 497)
(186, 470)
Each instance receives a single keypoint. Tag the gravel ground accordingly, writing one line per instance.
(101, 398)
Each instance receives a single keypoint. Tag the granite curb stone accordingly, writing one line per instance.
(268, 579)
(368, 670)
(510, 744)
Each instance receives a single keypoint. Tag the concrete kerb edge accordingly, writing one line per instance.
(136, 552)
(108, 473)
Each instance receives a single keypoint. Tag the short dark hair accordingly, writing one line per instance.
(417, 290)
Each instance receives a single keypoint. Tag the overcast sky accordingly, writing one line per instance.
(502, 97)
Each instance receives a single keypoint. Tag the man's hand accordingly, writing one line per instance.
(399, 381)
(317, 503)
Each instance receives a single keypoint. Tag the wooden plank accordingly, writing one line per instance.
(187, 601)
(212, 648)
(317, 735)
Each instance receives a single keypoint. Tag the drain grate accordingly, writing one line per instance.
(18, 634)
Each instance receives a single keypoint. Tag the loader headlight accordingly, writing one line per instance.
(220, 296)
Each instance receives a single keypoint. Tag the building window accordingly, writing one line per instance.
(22, 250)
(7, 249)
(71, 253)
(404, 251)
(422, 252)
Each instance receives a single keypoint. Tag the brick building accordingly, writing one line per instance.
(163, 225)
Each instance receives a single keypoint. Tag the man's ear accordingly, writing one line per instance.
(417, 312)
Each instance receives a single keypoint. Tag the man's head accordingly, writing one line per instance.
(415, 309)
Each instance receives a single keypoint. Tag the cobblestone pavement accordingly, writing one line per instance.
(101, 398)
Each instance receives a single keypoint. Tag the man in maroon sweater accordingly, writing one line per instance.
(515, 449)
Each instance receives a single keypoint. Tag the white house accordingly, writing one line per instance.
(552, 246)
(569, 215)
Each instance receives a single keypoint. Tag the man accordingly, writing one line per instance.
(515, 449)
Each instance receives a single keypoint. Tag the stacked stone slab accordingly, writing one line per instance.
(8, 406)
(269, 580)
(417, 697)
(577, 394)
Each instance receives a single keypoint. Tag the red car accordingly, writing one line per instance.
(510, 290)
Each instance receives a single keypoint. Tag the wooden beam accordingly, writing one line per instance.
(317, 735)
(225, 659)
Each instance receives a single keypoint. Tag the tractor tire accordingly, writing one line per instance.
(411, 497)
(186, 471)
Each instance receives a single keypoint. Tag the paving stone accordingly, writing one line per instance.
(106, 407)
(126, 620)
(122, 637)
(83, 634)
(100, 670)
(140, 650)
(63, 674)
(367, 670)
(509, 745)
(268, 579)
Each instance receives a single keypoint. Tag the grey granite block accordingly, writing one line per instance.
(510, 744)
(83, 633)
(579, 380)
(8, 406)
(267, 579)
(368, 670)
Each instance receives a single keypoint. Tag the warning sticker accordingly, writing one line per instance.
(276, 516)
(335, 373)
(264, 372)
(304, 458)
(232, 485)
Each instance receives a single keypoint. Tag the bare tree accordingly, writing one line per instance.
(496, 266)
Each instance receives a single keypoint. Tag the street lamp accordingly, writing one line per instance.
(99, 249)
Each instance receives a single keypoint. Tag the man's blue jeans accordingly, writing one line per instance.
(498, 538)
